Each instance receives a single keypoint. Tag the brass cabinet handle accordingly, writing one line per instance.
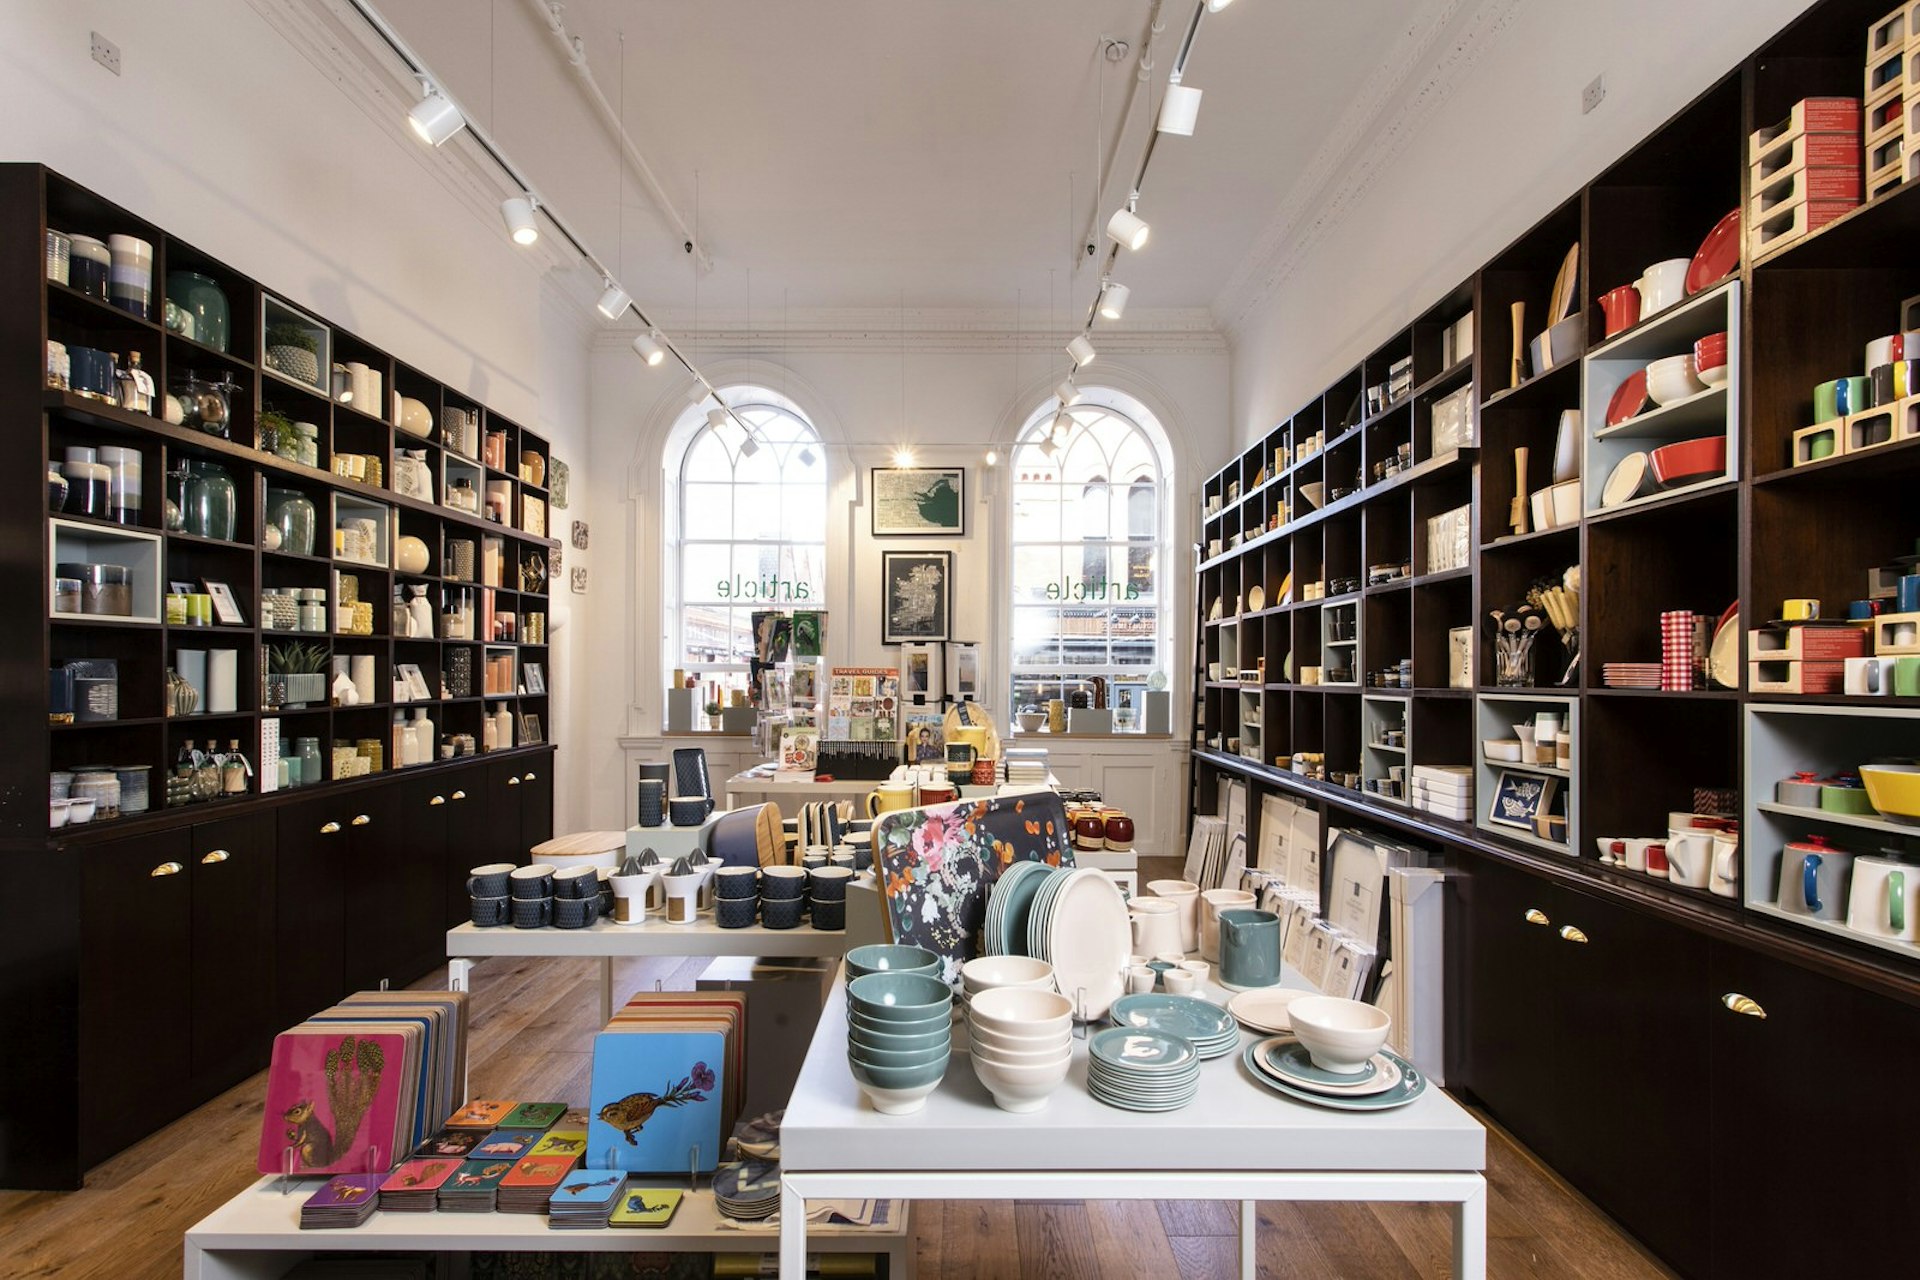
(459, 795)
(1572, 933)
(513, 782)
(527, 776)
(361, 820)
(437, 800)
(218, 855)
(1743, 1004)
(1536, 916)
(329, 829)
(166, 869)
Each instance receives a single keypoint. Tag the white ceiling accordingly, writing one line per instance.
(864, 152)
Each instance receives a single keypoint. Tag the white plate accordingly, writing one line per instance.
(1265, 1008)
(1256, 599)
(1088, 938)
(1385, 1076)
(1625, 480)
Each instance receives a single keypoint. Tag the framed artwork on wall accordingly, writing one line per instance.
(917, 502)
(917, 594)
(920, 673)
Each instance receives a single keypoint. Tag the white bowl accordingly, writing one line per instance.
(1017, 1052)
(1714, 377)
(1340, 1035)
(1673, 379)
(899, 1102)
(1021, 1012)
(1022, 1088)
(989, 972)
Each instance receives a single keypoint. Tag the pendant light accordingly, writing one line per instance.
(1179, 110)
(1081, 350)
(1067, 393)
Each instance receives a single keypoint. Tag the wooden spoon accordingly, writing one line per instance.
(1517, 513)
(1519, 341)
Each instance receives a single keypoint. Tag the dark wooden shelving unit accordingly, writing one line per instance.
(190, 934)
(1533, 1020)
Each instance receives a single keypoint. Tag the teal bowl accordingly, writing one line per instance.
(895, 1043)
(940, 1024)
(899, 997)
(898, 1077)
(897, 1059)
(886, 957)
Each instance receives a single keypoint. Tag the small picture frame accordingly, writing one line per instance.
(917, 595)
(530, 731)
(410, 683)
(226, 609)
(921, 675)
(535, 676)
(1519, 797)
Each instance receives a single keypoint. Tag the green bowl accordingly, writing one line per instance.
(940, 1023)
(892, 1041)
(897, 1077)
(896, 1059)
(886, 957)
(899, 997)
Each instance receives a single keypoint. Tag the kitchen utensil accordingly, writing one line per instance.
(1661, 285)
(1517, 513)
(1412, 1083)
(1341, 1035)
(1519, 343)
(1561, 299)
(1629, 398)
(1893, 789)
(1672, 379)
(1249, 949)
(1265, 1009)
(1717, 256)
(1626, 481)
(1710, 359)
(1723, 654)
(1621, 308)
(1566, 448)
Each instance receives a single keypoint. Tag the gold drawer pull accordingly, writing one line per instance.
(166, 869)
(459, 795)
(361, 820)
(513, 782)
(218, 855)
(527, 776)
(1536, 916)
(329, 829)
(436, 801)
(1743, 1004)
(1572, 933)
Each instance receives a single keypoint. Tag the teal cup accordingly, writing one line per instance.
(1249, 948)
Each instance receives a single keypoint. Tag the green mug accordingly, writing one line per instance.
(1906, 677)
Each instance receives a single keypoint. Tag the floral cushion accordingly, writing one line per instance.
(938, 865)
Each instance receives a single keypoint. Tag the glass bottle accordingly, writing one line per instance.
(311, 770)
(135, 384)
(206, 772)
(235, 771)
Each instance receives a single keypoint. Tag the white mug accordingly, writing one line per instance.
(1156, 925)
(1140, 979)
(1179, 982)
(1690, 857)
(1726, 864)
(1884, 900)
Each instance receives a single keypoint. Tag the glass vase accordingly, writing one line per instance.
(1513, 660)
(202, 298)
(210, 506)
(292, 513)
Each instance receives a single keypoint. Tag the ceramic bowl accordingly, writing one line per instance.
(1030, 721)
(1673, 379)
(1500, 748)
(1560, 344)
(939, 1020)
(1315, 493)
(57, 812)
(1022, 1088)
(899, 997)
(1012, 1053)
(924, 1073)
(1893, 789)
(897, 1059)
(885, 957)
(1710, 354)
(1021, 1012)
(1689, 461)
(989, 972)
(81, 809)
(901, 1042)
(1340, 1035)
(897, 1102)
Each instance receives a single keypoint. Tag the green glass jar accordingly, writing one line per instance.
(205, 302)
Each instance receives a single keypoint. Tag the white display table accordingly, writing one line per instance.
(1237, 1141)
(257, 1235)
(606, 941)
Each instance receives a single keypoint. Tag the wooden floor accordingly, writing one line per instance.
(532, 1021)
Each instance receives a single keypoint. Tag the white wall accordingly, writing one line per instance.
(1469, 175)
(959, 400)
(221, 132)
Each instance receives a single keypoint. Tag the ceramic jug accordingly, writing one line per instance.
(1690, 857)
(1185, 895)
(1885, 899)
(1156, 926)
(1249, 948)
(1813, 879)
(1212, 903)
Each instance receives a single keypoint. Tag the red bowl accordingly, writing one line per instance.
(1689, 461)
(1710, 352)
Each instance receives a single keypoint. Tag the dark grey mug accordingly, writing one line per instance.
(532, 913)
(490, 911)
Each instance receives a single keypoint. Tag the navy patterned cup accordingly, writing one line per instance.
(734, 913)
(532, 882)
(830, 915)
(736, 883)
(573, 913)
(781, 913)
(489, 881)
(783, 883)
(490, 911)
(532, 913)
(828, 884)
(688, 811)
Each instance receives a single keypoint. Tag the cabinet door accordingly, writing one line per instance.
(536, 800)
(309, 890)
(1632, 1033)
(503, 813)
(1816, 1169)
(136, 1003)
(233, 949)
(1510, 1023)
(423, 835)
(465, 815)
(378, 878)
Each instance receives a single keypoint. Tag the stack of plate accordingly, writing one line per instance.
(1264, 1009)
(1206, 1026)
(748, 1190)
(1140, 1070)
(1079, 924)
(1282, 1064)
(1630, 675)
(1008, 905)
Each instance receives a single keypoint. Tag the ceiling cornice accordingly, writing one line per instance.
(1371, 135)
(923, 330)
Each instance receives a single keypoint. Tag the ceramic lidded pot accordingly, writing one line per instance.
(1089, 830)
(1119, 831)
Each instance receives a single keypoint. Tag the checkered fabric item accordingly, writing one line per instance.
(1676, 650)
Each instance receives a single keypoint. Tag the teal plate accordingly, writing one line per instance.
(1188, 1017)
(1126, 1104)
(1012, 899)
(1138, 1051)
(1412, 1085)
(1037, 925)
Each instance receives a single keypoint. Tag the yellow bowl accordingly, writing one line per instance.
(1893, 789)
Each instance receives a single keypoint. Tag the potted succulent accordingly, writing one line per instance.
(296, 674)
(278, 436)
(295, 352)
(713, 716)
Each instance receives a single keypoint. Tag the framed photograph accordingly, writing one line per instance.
(920, 674)
(1520, 797)
(917, 595)
(535, 675)
(917, 502)
(529, 730)
(226, 609)
(963, 669)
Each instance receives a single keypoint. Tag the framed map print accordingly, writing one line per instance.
(909, 502)
(917, 593)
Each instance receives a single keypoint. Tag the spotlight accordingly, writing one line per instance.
(518, 212)
(903, 457)
(1127, 229)
(717, 418)
(1049, 446)
(613, 303)
(1067, 393)
(749, 446)
(1081, 350)
(1113, 301)
(1215, 6)
(434, 119)
(697, 392)
(649, 349)
(1179, 109)
(993, 457)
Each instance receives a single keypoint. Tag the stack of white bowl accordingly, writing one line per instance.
(989, 972)
(1021, 1040)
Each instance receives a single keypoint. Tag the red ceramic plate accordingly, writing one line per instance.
(1630, 399)
(1719, 254)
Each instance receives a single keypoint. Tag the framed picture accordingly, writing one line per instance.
(1520, 797)
(917, 502)
(920, 674)
(535, 675)
(529, 730)
(226, 609)
(580, 535)
(963, 669)
(917, 595)
(579, 579)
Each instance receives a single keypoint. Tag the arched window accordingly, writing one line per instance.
(1088, 519)
(750, 535)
